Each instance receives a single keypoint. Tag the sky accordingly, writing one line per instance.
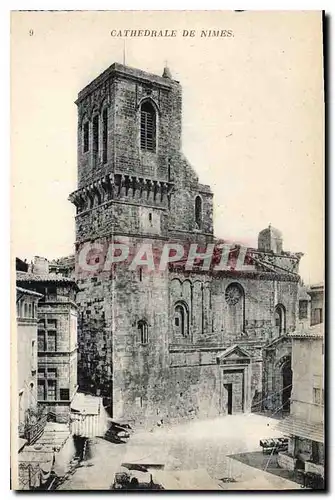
(253, 118)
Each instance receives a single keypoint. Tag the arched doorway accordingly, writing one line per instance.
(198, 212)
(280, 319)
(181, 321)
(235, 316)
(286, 372)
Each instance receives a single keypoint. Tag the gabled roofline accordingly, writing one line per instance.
(129, 73)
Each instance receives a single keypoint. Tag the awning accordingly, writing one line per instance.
(88, 417)
(21, 444)
(298, 427)
(147, 456)
(195, 479)
(87, 404)
(35, 467)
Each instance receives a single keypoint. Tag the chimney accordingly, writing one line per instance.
(40, 266)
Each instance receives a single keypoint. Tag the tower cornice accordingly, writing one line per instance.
(117, 70)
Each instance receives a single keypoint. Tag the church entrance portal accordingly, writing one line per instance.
(287, 385)
(229, 398)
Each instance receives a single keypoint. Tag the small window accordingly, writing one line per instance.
(52, 291)
(169, 170)
(64, 394)
(139, 401)
(150, 218)
(181, 326)
(51, 340)
(303, 309)
(52, 372)
(148, 127)
(280, 319)
(51, 390)
(317, 317)
(33, 356)
(198, 212)
(143, 330)
(86, 138)
(140, 274)
(104, 135)
(96, 135)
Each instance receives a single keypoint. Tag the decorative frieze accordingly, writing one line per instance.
(116, 186)
(94, 102)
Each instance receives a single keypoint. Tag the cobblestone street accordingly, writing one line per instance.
(207, 445)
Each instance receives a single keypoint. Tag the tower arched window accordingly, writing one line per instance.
(86, 137)
(198, 211)
(148, 127)
(143, 331)
(280, 319)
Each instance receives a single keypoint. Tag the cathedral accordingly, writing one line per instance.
(177, 342)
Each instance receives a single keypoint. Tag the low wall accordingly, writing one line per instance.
(316, 468)
(286, 462)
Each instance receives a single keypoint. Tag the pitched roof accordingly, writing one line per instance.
(317, 285)
(86, 403)
(272, 231)
(303, 293)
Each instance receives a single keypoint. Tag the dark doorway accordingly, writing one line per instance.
(287, 386)
(229, 391)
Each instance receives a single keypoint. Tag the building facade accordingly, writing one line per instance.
(177, 341)
(316, 293)
(56, 340)
(305, 424)
(26, 322)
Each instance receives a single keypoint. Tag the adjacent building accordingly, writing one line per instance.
(56, 339)
(26, 323)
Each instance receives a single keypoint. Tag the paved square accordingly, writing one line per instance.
(206, 446)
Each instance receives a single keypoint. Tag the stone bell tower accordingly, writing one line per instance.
(129, 133)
